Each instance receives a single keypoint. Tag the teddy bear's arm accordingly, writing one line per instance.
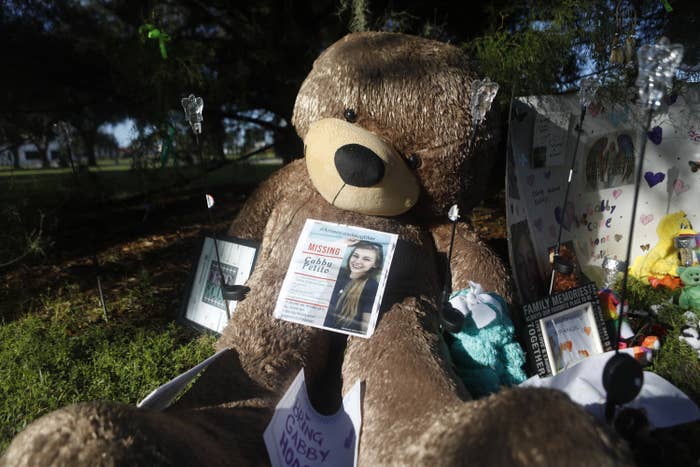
(472, 260)
(250, 222)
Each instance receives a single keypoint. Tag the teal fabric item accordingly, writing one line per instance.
(486, 358)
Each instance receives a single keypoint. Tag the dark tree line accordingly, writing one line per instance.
(91, 62)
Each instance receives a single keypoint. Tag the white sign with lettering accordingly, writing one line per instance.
(298, 436)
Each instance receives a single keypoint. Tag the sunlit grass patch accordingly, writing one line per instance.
(675, 361)
(45, 365)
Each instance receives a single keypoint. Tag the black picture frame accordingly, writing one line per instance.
(202, 306)
(563, 329)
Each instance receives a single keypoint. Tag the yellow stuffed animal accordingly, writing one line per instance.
(663, 260)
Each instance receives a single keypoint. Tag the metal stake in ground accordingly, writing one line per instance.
(193, 107)
(62, 130)
(482, 96)
(559, 265)
(222, 282)
(229, 292)
(623, 376)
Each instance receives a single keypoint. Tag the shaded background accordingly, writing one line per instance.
(115, 191)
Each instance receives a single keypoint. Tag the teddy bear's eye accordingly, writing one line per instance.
(413, 161)
(350, 115)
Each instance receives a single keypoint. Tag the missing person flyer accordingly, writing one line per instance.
(336, 278)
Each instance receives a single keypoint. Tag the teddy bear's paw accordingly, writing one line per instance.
(99, 433)
(518, 427)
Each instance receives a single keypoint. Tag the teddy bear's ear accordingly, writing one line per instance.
(680, 270)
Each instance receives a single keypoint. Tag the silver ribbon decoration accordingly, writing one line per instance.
(657, 65)
(483, 93)
(193, 107)
(587, 91)
(453, 213)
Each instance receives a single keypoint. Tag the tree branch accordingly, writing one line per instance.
(257, 121)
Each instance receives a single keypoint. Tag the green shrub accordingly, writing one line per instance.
(676, 361)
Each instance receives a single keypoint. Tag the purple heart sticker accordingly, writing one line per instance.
(655, 135)
(654, 179)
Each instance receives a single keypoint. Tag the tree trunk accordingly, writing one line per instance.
(288, 145)
(41, 136)
(15, 144)
(62, 158)
(15, 156)
(42, 147)
(89, 136)
(218, 133)
(45, 162)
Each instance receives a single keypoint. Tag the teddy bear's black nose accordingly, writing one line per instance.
(358, 165)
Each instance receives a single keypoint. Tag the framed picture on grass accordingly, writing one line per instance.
(564, 329)
(204, 306)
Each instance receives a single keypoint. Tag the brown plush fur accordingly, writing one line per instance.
(517, 427)
(414, 94)
(99, 433)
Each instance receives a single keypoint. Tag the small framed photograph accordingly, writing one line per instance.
(565, 328)
(570, 336)
(204, 306)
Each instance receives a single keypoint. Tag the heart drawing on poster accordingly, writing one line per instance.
(645, 219)
(565, 218)
(655, 135)
(654, 179)
(617, 193)
(694, 135)
(594, 109)
(680, 187)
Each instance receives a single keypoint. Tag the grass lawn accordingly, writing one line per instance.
(46, 365)
(138, 230)
(118, 181)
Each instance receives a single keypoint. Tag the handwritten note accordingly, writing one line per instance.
(298, 436)
(549, 140)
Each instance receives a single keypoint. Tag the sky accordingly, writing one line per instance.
(124, 131)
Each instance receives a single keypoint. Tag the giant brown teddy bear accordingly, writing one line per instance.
(406, 100)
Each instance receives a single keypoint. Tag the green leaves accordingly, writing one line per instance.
(531, 59)
(151, 32)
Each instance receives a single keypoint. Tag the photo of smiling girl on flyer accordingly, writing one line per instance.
(356, 287)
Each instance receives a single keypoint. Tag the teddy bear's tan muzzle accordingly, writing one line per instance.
(356, 170)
